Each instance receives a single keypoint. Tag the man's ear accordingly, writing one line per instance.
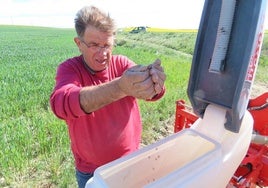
(78, 43)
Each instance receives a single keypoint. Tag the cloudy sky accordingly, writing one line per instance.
(179, 14)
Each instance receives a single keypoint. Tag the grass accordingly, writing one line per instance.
(162, 30)
(34, 143)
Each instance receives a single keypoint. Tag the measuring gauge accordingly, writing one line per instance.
(226, 55)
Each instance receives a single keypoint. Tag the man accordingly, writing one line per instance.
(95, 93)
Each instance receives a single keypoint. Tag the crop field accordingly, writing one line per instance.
(34, 144)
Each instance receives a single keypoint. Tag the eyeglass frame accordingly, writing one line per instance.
(96, 47)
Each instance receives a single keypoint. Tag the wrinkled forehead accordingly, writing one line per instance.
(95, 35)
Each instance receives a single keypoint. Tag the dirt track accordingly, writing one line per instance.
(258, 89)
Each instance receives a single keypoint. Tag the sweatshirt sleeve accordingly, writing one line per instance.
(64, 100)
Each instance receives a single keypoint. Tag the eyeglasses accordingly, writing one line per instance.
(97, 48)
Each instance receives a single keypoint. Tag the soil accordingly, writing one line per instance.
(258, 89)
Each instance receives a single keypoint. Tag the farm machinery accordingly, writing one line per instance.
(222, 142)
(253, 170)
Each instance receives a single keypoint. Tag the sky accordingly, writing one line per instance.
(127, 13)
(173, 14)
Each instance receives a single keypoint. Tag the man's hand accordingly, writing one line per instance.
(143, 82)
(158, 76)
(137, 82)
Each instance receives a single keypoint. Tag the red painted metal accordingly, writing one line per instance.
(258, 107)
(253, 170)
(184, 117)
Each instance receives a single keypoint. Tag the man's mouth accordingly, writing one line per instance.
(103, 61)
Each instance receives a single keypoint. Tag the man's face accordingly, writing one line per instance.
(96, 47)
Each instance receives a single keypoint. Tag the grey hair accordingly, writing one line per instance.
(92, 16)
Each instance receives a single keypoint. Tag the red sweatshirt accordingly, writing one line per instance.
(105, 134)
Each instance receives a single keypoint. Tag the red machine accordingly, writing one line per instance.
(253, 170)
